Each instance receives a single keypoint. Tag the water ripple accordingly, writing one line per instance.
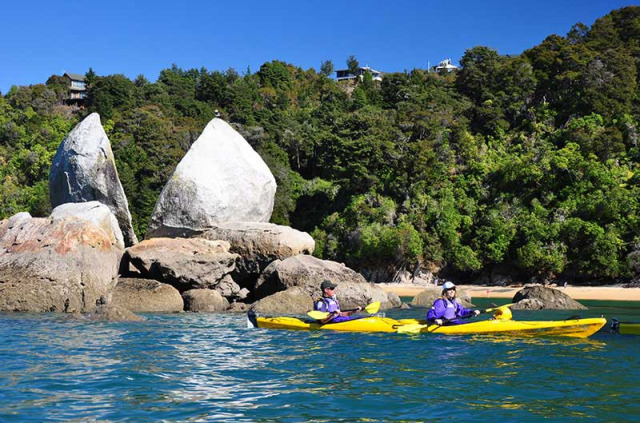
(209, 367)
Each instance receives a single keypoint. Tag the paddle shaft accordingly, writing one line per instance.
(321, 315)
(416, 328)
(486, 310)
(354, 309)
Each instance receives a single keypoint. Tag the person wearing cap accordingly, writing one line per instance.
(447, 309)
(328, 303)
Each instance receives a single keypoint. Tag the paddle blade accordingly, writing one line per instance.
(411, 328)
(502, 313)
(252, 321)
(489, 310)
(250, 324)
(318, 315)
(373, 307)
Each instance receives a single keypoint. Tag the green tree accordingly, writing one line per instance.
(326, 68)
(353, 65)
(90, 77)
(109, 94)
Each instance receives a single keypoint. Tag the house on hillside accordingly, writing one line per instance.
(77, 88)
(345, 74)
(445, 66)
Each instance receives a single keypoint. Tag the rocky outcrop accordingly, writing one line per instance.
(84, 169)
(18, 218)
(229, 289)
(529, 304)
(261, 243)
(96, 213)
(257, 243)
(354, 294)
(308, 272)
(294, 300)
(109, 313)
(304, 271)
(428, 296)
(204, 300)
(220, 179)
(186, 263)
(237, 307)
(54, 264)
(542, 297)
(146, 296)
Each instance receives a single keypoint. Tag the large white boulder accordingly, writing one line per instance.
(84, 169)
(220, 179)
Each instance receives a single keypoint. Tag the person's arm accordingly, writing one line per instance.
(465, 312)
(436, 312)
(322, 306)
(330, 317)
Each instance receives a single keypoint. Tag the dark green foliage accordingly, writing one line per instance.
(147, 148)
(108, 94)
(352, 64)
(214, 88)
(326, 68)
(529, 163)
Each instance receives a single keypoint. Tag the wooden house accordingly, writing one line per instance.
(77, 88)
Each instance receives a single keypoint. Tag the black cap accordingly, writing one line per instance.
(327, 284)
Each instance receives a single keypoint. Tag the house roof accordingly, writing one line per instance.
(446, 64)
(361, 68)
(74, 76)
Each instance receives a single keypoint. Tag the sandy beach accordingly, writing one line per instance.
(605, 293)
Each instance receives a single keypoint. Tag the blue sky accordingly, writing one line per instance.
(133, 37)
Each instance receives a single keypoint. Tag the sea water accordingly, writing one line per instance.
(211, 367)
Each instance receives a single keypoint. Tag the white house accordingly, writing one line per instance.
(445, 66)
(344, 74)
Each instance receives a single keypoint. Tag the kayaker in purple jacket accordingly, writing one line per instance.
(447, 309)
(329, 304)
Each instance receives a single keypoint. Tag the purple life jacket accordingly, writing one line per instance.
(450, 310)
(328, 305)
(447, 310)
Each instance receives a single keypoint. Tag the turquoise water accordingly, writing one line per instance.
(210, 367)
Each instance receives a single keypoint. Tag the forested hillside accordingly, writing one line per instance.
(527, 165)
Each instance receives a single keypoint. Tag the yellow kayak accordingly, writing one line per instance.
(365, 324)
(625, 328)
(575, 328)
